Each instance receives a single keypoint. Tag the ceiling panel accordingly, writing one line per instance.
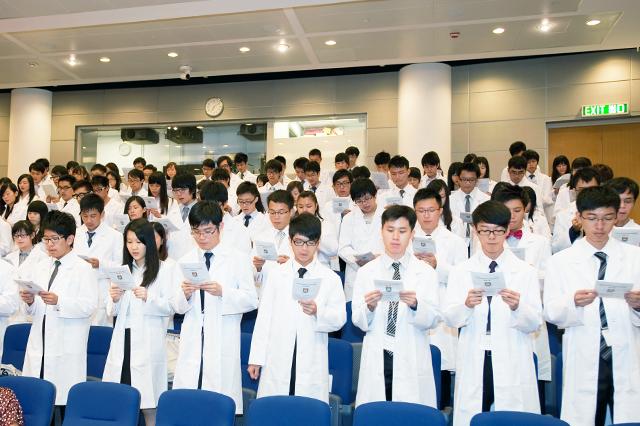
(27, 8)
(17, 70)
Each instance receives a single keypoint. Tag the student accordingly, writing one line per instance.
(568, 227)
(79, 172)
(342, 180)
(67, 203)
(430, 168)
(222, 176)
(468, 197)
(362, 172)
(535, 175)
(98, 170)
(450, 251)
(600, 343)
(26, 189)
(414, 177)
(627, 189)
(517, 169)
(485, 172)
(57, 345)
(451, 222)
(516, 149)
(167, 207)
(328, 248)
(284, 179)
(314, 184)
(289, 343)
(274, 172)
(298, 166)
(494, 330)
(170, 171)
(381, 160)
(453, 178)
(26, 253)
(251, 214)
(241, 161)
(37, 171)
(112, 206)
(295, 188)
(564, 197)
(115, 183)
(148, 170)
(316, 155)
(9, 300)
(183, 187)
(359, 232)
(209, 355)
(11, 209)
(70, 165)
(81, 189)
(560, 167)
(262, 180)
(36, 212)
(139, 163)
(137, 353)
(399, 174)
(341, 161)
(135, 207)
(135, 179)
(224, 162)
(396, 361)
(535, 219)
(352, 153)
(102, 247)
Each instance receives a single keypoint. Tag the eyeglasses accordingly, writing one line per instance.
(54, 240)
(300, 243)
(246, 202)
(63, 188)
(133, 180)
(98, 188)
(278, 212)
(364, 199)
(179, 190)
(517, 172)
(486, 232)
(425, 211)
(80, 195)
(342, 184)
(595, 219)
(204, 232)
(468, 180)
(20, 236)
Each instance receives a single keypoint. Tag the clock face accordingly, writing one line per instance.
(213, 107)
(124, 149)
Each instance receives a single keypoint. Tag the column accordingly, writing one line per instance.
(424, 112)
(29, 129)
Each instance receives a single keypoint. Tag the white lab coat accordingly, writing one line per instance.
(220, 325)
(148, 323)
(6, 238)
(281, 324)
(514, 376)
(9, 300)
(258, 223)
(72, 207)
(358, 237)
(394, 191)
(283, 247)
(181, 241)
(235, 234)
(111, 210)
(560, 239)
(412, 370)
(19, 212)
(24, 271)
(328, 248)
(67, 324)
(576, 268)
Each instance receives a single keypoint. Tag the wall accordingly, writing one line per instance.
(497, 103)
(5, 103)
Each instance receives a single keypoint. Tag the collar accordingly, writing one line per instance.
(136, 268)
(435, 233)
(387, 260)
(191, 204)
(310, 267)
(285, 230)
(502, 260)
(588, 250)
(67, 258)
(216, 251)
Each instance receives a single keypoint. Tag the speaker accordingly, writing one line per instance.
(254, 132)
(184, 135)
(140, 135)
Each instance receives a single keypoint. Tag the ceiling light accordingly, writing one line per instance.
(498, 30)
(168, 127)
(172, 54)
(244, 49)
(593, 22)
(225, 146)
(330, 42)
(282, 47)
(72, 60)
(545, 25)
(175, 128)
(105, 59)
(200, 127)
(248, 124)
(33, 64)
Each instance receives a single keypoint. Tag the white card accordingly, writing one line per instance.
(491, 283)
(266, 250)
(483, 184)
(195, 272)
(341, 204)
(612, 289)
(30, 286)
(120, 276)
(391, 200)
(151, 203)
(466, 217)
(380, 180)
(390, 289)
(519, 252)
(561, 181)
(422, 245)
(50, 190)
(627, 235)
(305, 288)
(120, 221)
(366, 257)
(169, 226)
(52, 206)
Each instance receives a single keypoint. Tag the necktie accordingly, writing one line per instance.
(532, 177)
(242, 175)
(185, 213)
(207, 262)
(53, 274)
(65, 204)
(402, 191)
(605, 350)
(492, 269)
(516, 234)
(313, 188)
(392, 314)
(22, 257)
(467, 209)
(247, 218)
(301, 272)
(44, 319)
(90, 238)
(280, 236)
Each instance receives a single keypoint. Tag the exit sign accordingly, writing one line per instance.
(604, 109)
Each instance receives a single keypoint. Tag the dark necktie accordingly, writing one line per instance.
(90, 238)
(532, 177)
(242, 175)
(65, 204)
(605, 350)
(247, 218)
(53, 274)
(185, 213)
(313, 188)
(392, 314)
(467, 209)
(207, 261)
(292, 377)
(22, 257)
(301, 272)
(492, 269)
(44, 319)
(402, 191)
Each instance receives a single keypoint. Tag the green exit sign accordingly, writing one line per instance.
(604, 109)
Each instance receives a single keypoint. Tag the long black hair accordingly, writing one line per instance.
(312, 196)
(32, 187)
(4, 207)
(437, 185)
(138, 200)
(453, 170)
(158, 179)
(560, 159)
(145, 234)
(162, 232)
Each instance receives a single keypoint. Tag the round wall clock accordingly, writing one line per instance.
(213, 107)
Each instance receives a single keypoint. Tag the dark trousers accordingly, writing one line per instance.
(201, 359)
(388, 375)
(292, 378)
(44, 319)
(445, 380)
(604, 397)
(487, 382)
(125, 374)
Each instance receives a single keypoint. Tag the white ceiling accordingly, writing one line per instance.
(37, 36)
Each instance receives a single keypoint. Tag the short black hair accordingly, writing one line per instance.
(240, 157)
(517, 147)
(281, 196)
(39, 207)
(100, 167)
(82, 184)
(22, 225)
(44, 162)
(605, 172)
(91, 202)
(312, 166)
(580, 162)
(508, 192)
(139, 160)
(150, 167)
(427, 194)
(64, 224)
(37, 167)
(483, 160)
(493, 213)
(208, 163)
(397, 212)
(469, 158)
(67, 178)
(352, 150)
(623, 184)
(360, 172)
(381, 158)
(585, 174)
(362, 187)
(339, 174)
(341, 157)
(306, 225)
(185, 180)
(315, 151)
(262, 178)
(135, 173)
(224, 158)
(281, 159)
(71, 164)
(597, 197)
(531, 154)
(431, 158)
(399, 162)
(300, 163)
(58, 170)
(273, 165)
(214, 191)
(204, 213)
(468, 167)
(517, 163)
(415, 173)
(221, 174)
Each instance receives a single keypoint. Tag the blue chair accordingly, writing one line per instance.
(625, 424)
(555, 339)
(558, 379)
(341, 368)
(15, 344)
(509, 418)
(350, 332)
(386, 413)
(245, 349)
(97, 350)
(288, 411)
(436, 363)
(36, 397)
(196, 408)
(248, 321)
(93, 403)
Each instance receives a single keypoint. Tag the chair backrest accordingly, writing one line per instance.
(91, 403)
(98, 349)
(248, 321)
(436, 363)
(357, 356)
(341, 368)
(195, 407)
(288, 411)
(558, 379)
(36, 397)
(15, 344)
(509, 418)
(385, 413)
(245, 349)
(350, 332)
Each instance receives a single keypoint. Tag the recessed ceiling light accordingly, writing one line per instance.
(225, 146)
(172, 54)
(200, 127)
(593, 22)
(72, 60)
(545, 25)
(245, 49)
(498, 30)
(282, 47)
(248, 124)
(105, 59)
(175, 128)
(33, 64)
(330, 42)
